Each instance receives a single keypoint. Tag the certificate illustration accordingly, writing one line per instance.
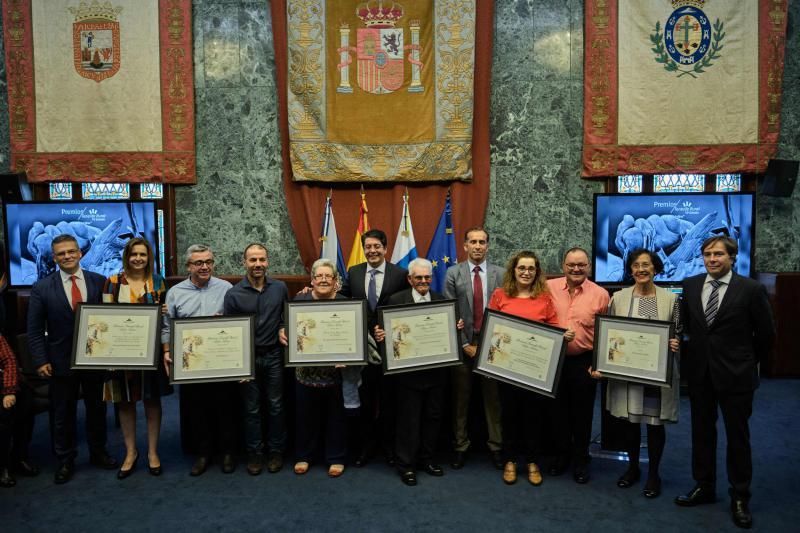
(116, 336)
(326, 332)
(521, 352)
(420, 336)
(206, 349)
(634, 349)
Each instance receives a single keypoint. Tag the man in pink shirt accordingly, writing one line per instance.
(577, 301)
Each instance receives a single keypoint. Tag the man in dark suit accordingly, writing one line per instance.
(52, 308)
(472, 283)
(729, 323)
(375, 281)
(419, 394)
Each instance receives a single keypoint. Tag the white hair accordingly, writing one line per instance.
(420, 262)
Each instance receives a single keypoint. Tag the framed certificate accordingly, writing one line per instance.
(419, 336)
(326, 332)
(634, 349)
(213, 348)
(521, 352)
(116, 336)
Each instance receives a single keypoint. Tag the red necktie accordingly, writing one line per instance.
(477, 299)
(76, 292)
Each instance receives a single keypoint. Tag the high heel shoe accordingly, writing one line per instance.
(122, 474)
(154, 470)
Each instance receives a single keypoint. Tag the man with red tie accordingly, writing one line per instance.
(52, 309)
(471, 283)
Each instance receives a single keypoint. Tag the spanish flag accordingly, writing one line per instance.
(357, 252)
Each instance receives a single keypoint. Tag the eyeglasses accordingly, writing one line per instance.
(526, 269)
(320, 277)
(576, 266)
(421, 278)
(198, 264)
(65, 253)
(641, 265)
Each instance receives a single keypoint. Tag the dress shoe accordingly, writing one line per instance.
(255, 463)
(103, 460)
(557, 467)
(64, 472)
(409, 477)
(510, 473)
(652, 489)
(459, 460)
(631, 476)
(275, 462)
(154, 470)
(200, 466)
(335, 470)
(26, 468)
(301, 468)
(534, 474)
(581, 474)
(122, 474)
(498, 460)
(432, 469)
(228, 463)
(7, 478)
(740, 512)
(697, 496)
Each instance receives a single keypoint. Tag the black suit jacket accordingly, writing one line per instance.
(49, 309)
(395, 279)
(418, 378)
(740, 336)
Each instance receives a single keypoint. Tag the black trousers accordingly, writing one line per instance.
(419, 418)
(64, 394)
(320, 411)
(16, 429)
(210, 409)
(377, 412)
(522, 423)
(736, 409)
(573, 409)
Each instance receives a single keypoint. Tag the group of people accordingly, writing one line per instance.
(725, 319)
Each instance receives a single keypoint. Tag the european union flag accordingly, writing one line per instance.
(442, 251)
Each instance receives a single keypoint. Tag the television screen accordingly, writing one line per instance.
(674, 226)
(101, 229)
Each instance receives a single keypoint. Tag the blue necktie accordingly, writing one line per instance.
(372, 290)
(713, 302)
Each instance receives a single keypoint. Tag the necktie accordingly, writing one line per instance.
(76, 292)
(372, 291)
(477, 299)
(713, 301)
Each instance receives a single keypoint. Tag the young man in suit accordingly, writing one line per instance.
(728, 320)
(51, 308)
(471, 283)
(375, 281)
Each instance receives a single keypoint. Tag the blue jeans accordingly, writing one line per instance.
(268, 385)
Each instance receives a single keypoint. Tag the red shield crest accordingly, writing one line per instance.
(380, 59)
(96, 49)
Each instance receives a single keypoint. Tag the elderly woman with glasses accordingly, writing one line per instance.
(524, 293)
(319, 404)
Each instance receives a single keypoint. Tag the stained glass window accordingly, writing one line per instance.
(151, 191)
(161, 244)
(61, 191)
(630, 184)
(106, 191)
(729, 182)
(679, 182)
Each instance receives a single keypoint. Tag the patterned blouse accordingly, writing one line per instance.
(117, 290)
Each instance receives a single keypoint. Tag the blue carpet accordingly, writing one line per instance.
(373, 498)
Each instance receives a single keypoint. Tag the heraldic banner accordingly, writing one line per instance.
(347, 118)
(690, 86)
(380, 90)
(101, 90)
